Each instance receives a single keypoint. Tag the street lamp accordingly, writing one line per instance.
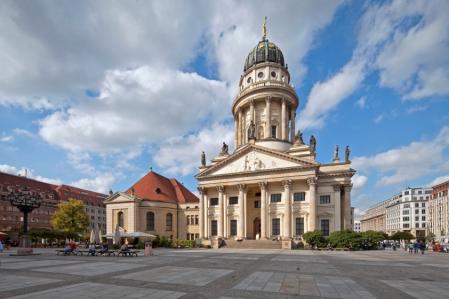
(26, 201)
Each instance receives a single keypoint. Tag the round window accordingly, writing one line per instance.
(273, 74)
(248, 80)
(260, 75)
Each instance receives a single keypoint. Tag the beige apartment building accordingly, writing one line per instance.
(271, 186)
(439, 212)
(155, 205)
(374, 218)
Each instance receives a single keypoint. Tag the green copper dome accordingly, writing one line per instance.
(265, 51)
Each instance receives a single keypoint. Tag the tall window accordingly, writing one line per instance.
(299, 196)
(257, 204)
(325, 227)
(276, 197)
(169, 222)
(233, 200)
(213, 227)
(273, 131)
(120, 219)
(188, 220)
(299, 226)
(233, 227)
(325, 199)
(196, 219)
(275, 226)
(150, 221)
(214, 201)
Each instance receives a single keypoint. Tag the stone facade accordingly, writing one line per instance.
(271, 186)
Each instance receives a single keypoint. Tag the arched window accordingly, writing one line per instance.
(150, 221)
(120, 219)
(169, 222)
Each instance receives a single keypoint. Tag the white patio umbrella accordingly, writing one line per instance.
(100, 236)
(97, 234)
(138, 235)
(117, 237)
(92, 236)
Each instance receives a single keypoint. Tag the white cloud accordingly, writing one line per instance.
(28, 173)
(101, 184)
(325, 96)
(439, 180)
(359, 181)
(409, 162)
(182, 155)
(358, 213)
(143, 105)
(379, 118)
(361, 103)
(412, 59)
(6, 138)
(416, 108)
(23, 132)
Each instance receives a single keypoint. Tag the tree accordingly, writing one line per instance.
(402, 236)
(314, 238)
(71, 217)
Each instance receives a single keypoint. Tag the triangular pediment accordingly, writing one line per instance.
(253, 159)
(120, 197)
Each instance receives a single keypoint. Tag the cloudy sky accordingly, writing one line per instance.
(94, 93)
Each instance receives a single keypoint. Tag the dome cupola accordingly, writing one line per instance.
(265, 51)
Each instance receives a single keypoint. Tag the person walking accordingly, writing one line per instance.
(422, 247)
(410, 248)
(1, 246)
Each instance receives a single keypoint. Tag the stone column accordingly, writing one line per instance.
(268, 117)
(236, 132)
(283, 120)
(292, 124)
(201, 213)
(220, 190)
(206, 215)
(225, 215)
(347, 206)
(287, 209)
(337, 207)
(263, 212)
(241, 228)
(312, 203)
(251, 111)
(240, 121)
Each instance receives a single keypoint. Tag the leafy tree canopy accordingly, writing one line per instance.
(402, 236)
(71, 217)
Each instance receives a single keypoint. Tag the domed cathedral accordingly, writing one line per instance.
(271, 187)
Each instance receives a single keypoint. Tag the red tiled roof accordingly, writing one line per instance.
(156, 187)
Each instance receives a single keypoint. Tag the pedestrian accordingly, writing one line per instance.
(393, 246)
(410, 248)
(416, 247)
(1, 246)
(422, 247)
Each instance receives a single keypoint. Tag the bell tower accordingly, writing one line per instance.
(264, 109)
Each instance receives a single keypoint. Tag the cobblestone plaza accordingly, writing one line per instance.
(227, 273)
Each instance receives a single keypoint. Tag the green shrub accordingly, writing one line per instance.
(314, 238)
(402, 236)
(345, 239)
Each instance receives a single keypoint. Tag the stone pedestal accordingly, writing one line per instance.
(24, 246)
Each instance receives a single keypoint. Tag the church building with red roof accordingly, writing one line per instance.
(154, 205)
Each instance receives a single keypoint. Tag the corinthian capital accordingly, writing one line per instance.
(220, 189)
(263, 186)
(312, 181)
(242, 187)
(337, 187)
(201, 190)
(287, 184)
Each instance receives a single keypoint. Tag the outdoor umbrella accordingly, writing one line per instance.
(97, 234)
(100, 236)
(117, 237)
(138, 235)
(92, 236)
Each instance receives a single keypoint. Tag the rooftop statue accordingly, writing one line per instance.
(252, 131)
(224, 149)
(312, 144)
(347, 153)
(336, 153)
(298, 138)
(203, 159)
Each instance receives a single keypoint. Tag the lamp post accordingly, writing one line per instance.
(26, 201)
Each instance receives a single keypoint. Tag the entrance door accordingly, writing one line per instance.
(256, 227)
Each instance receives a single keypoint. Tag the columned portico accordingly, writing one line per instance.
(347, 206)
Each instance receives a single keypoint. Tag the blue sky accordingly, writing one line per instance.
(95, 93)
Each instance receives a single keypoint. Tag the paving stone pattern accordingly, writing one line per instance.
(227, 273)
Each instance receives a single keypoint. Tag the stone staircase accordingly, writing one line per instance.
(253, 244)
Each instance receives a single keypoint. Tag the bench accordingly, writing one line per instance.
(127, 252)
(61, 251)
